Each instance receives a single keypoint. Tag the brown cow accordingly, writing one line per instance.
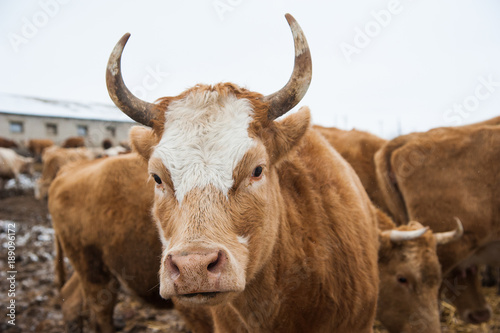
(264, 226)
(410, 275)
(37, 146)
(53, 159)
(7, 143)
(12, 164)
(446, 172)
(358, 148)
(101, 216)
(74, 142)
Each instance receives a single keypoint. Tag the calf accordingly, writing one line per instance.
(260, 220)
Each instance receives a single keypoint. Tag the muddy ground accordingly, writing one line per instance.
(36, 296)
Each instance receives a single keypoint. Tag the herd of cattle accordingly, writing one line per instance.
(17, 158)
(248, 223)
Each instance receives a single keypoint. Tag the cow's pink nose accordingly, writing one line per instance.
(204, 263)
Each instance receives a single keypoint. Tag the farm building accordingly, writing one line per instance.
(23, 118)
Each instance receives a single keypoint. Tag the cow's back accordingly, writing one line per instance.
(433, 176)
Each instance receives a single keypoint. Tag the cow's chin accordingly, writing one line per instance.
(206, 298)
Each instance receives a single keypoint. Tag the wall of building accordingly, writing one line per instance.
(34, 127)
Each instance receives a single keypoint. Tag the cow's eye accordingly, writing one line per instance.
(257, 172)
(402, 280)
(157, 179)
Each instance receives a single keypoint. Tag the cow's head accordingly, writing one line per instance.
(410, 277)
(213, 152)
(462, 287)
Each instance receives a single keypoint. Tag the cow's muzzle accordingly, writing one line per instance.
(199, 277)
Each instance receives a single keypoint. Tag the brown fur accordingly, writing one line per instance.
(445, 172)
(411, 306)
(54, 158)
(358, 148)
(306, 268)
(74, 142)
(37, 146)
(7, 143)
(100, 213)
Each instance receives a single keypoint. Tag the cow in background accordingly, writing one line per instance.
(7, 143)
(37, 146)
(410, 275)
(53, 158)
(74, 142)
(12, 165)
(101, 216)
(259, 232)
(445, 172)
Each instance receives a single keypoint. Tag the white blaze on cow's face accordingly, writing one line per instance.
(205, 137)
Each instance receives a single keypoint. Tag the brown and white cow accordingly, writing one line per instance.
(397, 257)
(12, 164)
(53, 159)
(264, 226)
(445, 172)
(101, 216)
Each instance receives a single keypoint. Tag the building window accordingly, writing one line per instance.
(82, 130)
(111, 131)
(51, 129)
(16, 127)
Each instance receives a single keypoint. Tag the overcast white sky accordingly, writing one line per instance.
(377, 65)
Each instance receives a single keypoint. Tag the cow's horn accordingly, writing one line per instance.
(290, 95)
(401, 236)
(137, 109)
(450, 236)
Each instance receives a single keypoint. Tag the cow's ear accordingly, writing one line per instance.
(288, 132)
(143, 140)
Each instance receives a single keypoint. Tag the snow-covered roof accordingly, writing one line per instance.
(34, 106)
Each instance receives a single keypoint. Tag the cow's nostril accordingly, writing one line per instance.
(216, 265)
(172, 268)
